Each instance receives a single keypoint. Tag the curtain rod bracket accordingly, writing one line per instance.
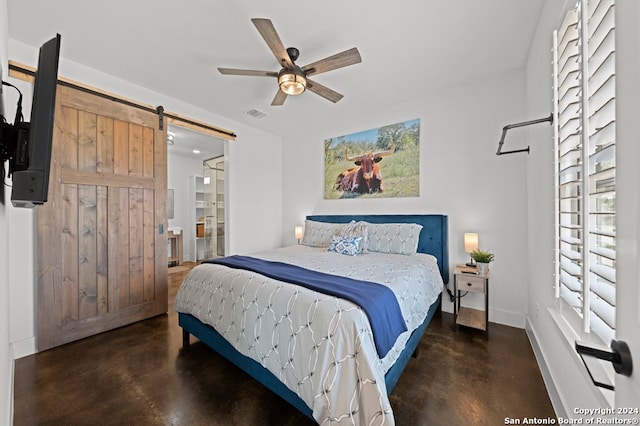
(513, 126)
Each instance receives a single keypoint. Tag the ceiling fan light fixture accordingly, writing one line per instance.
(292, 81)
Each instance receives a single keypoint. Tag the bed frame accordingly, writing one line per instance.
(433, 240)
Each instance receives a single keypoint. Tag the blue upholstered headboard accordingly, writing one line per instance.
(434, 236)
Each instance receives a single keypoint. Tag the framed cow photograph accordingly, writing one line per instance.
(382, 162)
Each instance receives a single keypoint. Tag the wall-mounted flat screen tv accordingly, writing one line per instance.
(33, 150)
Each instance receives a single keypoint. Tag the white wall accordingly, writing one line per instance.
(6, 350)
(567, 379)
(564, 376)
(20, 236)
(460, 176)
(628, 196)
(246, 230)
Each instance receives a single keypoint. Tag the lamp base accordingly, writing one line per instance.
(470, 265)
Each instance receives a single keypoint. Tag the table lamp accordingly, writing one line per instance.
(298, 233)
(470, 244)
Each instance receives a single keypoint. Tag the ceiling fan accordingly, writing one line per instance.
(293, 79)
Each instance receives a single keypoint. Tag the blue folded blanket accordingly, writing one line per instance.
(378, 302)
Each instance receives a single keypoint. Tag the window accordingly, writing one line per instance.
(584, 110)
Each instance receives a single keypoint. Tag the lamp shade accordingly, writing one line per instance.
(298, 232)
(470, 242)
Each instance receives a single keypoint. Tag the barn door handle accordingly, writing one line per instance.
(619, 356)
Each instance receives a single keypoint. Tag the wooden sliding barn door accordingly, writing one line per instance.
(101, 249)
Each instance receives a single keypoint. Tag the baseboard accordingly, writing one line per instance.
(512, 319)
(24, 347)
(552, 390)
(498, 316)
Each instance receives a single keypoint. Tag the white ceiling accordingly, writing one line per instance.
(189, 143)
(409, 48)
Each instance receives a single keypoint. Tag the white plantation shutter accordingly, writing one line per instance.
(584, 94)
(569, 161)
(602, 167)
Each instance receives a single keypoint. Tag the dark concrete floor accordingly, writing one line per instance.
(141, 375)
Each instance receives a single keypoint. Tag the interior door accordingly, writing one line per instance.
(101, 249)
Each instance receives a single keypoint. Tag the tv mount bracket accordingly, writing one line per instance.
(10, 135)
(513, 126)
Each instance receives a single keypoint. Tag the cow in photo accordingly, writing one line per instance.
(366, 177)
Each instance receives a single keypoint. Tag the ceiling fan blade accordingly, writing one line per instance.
(270, 36)
(253, 73)
(279, 98)
(324, 91)
(339, 60)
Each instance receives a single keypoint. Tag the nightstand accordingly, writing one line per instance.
(467, 279)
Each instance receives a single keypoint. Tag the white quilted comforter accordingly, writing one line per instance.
(320, 346)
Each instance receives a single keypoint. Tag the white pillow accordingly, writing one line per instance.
(350, 246)
(318, 234)
(357, 229)
(395, 238)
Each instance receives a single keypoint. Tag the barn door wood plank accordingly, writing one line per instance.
(149, 249)
(135, 150)
(104, 164)
(91, 103)
(136, 217)
(97, 179)
(48, 252)
(148, 216)
(101, 253)
(123, 248)
(87, 218)
(113, 249)
(102, 249)
(136, 246)
(69, 285)
(69, 211)
(87, 256)
(87, 142)
(120, 147)
(160, 202)
(105, 145)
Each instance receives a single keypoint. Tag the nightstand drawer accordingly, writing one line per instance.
(470, 283)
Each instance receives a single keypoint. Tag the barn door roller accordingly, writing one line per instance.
(160, 111)
(513, 126)
(619, 356)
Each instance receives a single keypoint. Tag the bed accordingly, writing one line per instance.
(317, 350)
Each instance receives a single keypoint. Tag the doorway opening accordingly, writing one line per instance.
(197, 184)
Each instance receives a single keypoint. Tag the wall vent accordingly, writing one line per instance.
(256, 113)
